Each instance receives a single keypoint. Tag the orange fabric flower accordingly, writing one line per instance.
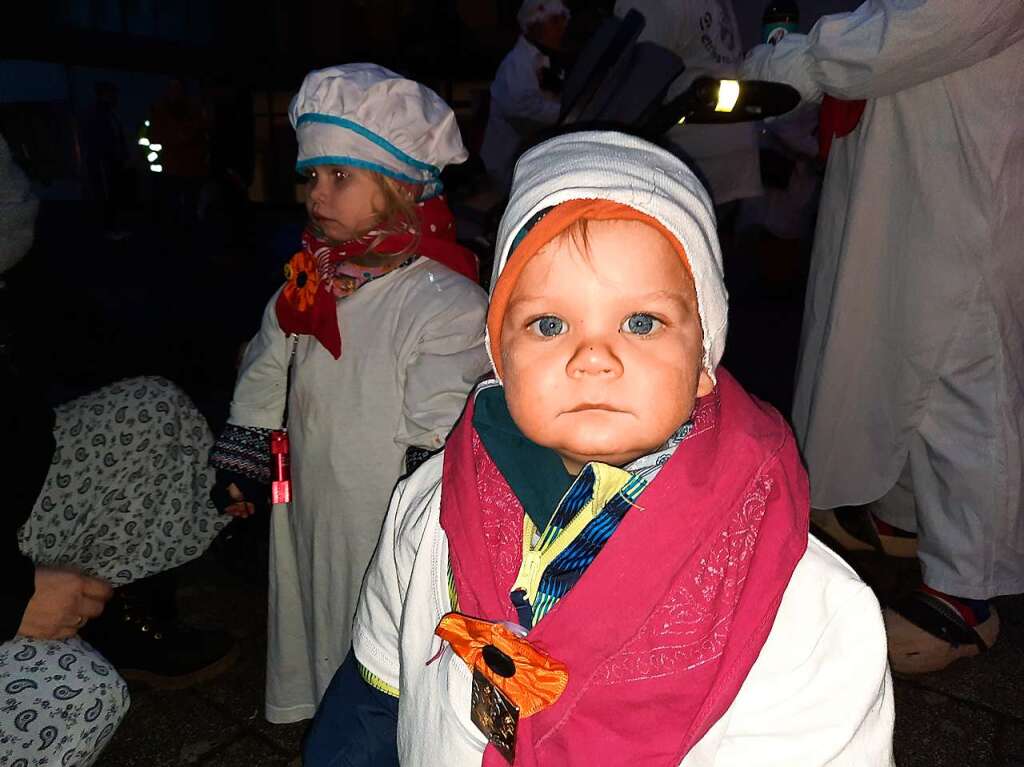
(537, 680)
(303, 280)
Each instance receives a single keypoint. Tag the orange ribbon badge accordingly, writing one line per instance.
(530, 678)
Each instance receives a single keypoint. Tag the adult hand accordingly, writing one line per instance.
(63, 601)
(239, 506)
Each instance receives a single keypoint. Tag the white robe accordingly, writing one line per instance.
(913, 338)
(518, 108)
(819, 693)
(705, 35)
(412, 348)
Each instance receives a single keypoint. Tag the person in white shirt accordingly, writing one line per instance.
(910, 387)
(366, 354)
(520, 105)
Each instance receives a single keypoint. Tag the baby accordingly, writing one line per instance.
(609, 564)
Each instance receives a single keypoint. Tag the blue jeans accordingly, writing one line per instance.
(355, 725)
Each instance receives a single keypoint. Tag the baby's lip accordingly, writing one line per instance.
(593, 406)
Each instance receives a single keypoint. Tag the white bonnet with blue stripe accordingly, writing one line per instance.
(364, 115)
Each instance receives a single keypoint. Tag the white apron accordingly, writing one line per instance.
(913, 337)
(412, 347)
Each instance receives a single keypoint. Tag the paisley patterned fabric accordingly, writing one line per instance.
(127, 496)
(60, 703)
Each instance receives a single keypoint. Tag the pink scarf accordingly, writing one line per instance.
(660, 632)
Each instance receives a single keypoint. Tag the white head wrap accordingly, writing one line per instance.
(367, 116)
(532, 11)
(17, 211)
(604, 165)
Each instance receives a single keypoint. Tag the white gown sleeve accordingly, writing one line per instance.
(262, 386)
(886, 46)
(446, 361)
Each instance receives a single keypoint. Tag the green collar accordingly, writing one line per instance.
(536, 474)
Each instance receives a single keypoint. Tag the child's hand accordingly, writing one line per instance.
(236, 494)
(239, 507)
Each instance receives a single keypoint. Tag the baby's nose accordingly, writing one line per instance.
(594, 358)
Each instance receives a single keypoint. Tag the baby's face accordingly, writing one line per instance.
(602, 350)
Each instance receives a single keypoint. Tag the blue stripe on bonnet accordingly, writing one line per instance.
(339, 159)
(341, 122)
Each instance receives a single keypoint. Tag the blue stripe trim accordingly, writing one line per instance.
(568, 567)
(578, 496)
(431, 187)
(633, 488)
(355, 162)
(565, 570)
(383, 143)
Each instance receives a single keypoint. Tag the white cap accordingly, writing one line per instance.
(605, 165)
(367, 116)
(532, 11)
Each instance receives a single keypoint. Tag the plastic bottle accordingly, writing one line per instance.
(780, 18)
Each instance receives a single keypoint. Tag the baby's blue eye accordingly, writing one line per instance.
(548, 326)
(640, 324)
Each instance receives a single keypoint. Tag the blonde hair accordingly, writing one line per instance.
(396, 216)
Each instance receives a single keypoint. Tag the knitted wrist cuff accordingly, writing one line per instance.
(243, 450)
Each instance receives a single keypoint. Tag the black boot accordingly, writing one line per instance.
(140, 634)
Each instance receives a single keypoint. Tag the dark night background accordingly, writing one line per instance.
(178, 303)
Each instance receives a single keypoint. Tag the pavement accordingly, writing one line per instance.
(219, 722)
(971, 713)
